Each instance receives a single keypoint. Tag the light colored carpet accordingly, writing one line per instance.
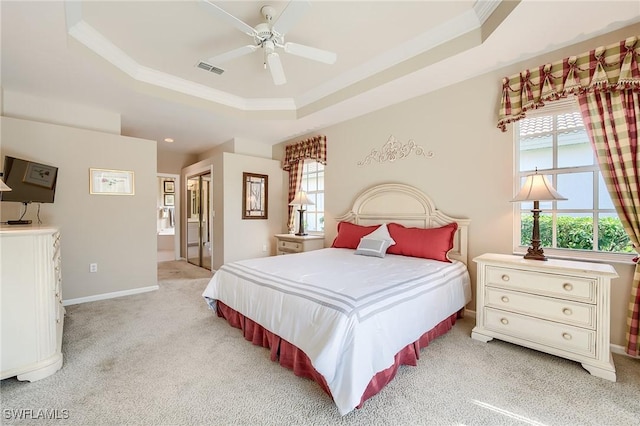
(180, 270)
(163, 358)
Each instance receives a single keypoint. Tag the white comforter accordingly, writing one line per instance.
(349, 314)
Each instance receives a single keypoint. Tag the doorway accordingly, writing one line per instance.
(198, 220)
(168, 217)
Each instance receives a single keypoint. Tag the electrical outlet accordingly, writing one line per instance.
(93, 267)
(264, 247)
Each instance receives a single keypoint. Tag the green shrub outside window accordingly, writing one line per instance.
(577, 233)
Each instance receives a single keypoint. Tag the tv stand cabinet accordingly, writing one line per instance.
(32, 315)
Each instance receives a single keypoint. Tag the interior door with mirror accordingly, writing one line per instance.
(198, 223)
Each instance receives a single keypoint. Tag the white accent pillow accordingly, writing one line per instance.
(376, 243)
(381, 233)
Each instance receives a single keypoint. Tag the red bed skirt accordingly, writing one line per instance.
(291, 357)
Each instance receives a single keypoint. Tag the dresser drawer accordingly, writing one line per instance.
(564, 311)
(546, 284)
(289, 246)
(560, 336)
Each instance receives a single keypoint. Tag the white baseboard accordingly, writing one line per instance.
(109, 295)
(616, 349)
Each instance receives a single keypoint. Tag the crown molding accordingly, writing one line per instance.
(395, 60)
(88, 36)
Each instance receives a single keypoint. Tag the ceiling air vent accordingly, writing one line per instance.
(208, 67)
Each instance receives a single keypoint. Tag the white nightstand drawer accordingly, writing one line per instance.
(561, 286)
(559, 336)
(564, 311)
(290, 246)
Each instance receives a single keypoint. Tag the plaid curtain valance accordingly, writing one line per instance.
(610, 68)
(309, 149)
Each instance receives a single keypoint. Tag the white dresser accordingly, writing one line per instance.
(291, 243)
(555, 306)
(31, 302)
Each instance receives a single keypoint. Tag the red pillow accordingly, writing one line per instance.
(431, 243)
(349, 234)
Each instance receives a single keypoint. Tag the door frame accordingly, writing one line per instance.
(209, 209)
(176, 212)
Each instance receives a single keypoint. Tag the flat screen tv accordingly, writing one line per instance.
(30, 182)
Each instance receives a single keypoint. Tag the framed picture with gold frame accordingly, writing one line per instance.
(255, 196)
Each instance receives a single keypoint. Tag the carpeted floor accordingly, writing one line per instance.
(180, 270)
(163, 358)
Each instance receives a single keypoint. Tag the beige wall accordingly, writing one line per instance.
(173, 162)
(116, 232)
(471, 174)
(247, 238)
(234, 238)
(29, 107)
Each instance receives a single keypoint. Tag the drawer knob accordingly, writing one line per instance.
(505, 299)
(567, 286)
(504, 321)
(567, 311)
(505, 277)
(566, 336)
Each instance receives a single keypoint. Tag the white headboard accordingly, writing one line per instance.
(408, 206)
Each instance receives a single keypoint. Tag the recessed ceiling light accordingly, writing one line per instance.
(168, 140)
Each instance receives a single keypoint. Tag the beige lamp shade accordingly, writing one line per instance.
(3, 186)
(301, 199)
(537, 188)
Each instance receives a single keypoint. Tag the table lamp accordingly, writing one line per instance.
(3, 186)
(301, 200)
(537, 188)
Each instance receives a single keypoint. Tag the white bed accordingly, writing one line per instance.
(350, 314)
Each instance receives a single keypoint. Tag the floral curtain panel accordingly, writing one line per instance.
(607, 83)
(294, 155)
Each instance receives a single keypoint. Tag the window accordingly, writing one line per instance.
(555, 141)
(313, 185)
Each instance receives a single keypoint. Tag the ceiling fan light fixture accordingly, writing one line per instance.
(269, 35)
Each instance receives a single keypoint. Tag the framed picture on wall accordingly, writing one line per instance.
(111, 182)
(169, 200)
(169, 186)
(255, 196)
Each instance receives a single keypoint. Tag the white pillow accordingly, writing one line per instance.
(381, 233)
(376, 243)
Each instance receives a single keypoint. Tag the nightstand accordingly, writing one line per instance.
(291, 243)
(556, 306)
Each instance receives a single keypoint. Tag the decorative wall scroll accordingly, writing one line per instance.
(394, 150)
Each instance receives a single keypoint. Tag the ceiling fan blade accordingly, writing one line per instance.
(311, 53)
(228, 18)
(232, 54)
(290, 16)
(275, 66)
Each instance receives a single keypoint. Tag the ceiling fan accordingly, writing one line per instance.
(269, 36)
